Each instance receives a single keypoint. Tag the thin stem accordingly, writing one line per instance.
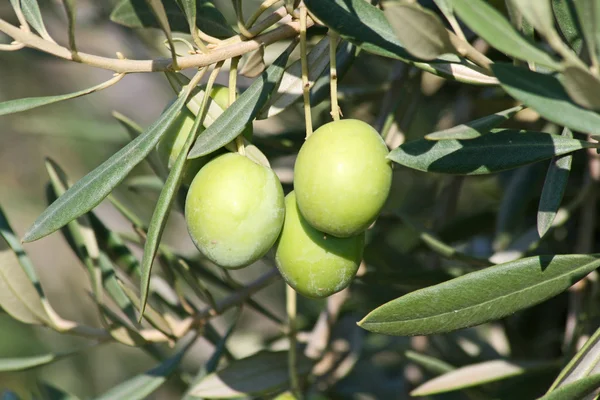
(470, 52)
(456, 27)
(239, 140)
(260, 10)
(304, 63)
(292, 353)
(287, 30)
(11, 47)
(240, 19)
(335, 108)
(207, 38)
(197, 40)
(21, 17)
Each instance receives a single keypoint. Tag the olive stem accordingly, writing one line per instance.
(240, 20)
(304, 63)
(260, 10)
(223, 52)
(239, 140)
(290, 295)
(335, 108)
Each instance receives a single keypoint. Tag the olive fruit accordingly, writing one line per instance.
(314, 263)
(234, 210)
(170, 145)
(342, 177)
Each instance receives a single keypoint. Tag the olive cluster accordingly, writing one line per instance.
(236, 211)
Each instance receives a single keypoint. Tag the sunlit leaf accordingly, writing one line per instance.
(488, 23)
(497, 151)
(575, 390)
(33, 15)
(473, 129)
(585, 363)
(480, 296)
(566, 16)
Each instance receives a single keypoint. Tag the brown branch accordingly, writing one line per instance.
(287, 30)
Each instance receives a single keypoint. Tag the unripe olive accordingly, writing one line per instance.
(314, 263)
(173, 140)
(342, 177)
(234, 210)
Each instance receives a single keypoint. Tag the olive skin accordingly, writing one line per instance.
(234, 210)
(172, 142)
(342, 177)
(315, 264)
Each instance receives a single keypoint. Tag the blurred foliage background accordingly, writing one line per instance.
(484, 216)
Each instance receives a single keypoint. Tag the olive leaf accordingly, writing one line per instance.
(568, 23)
(498, 151)
(480, 296)
(582, 86)
(33, 15)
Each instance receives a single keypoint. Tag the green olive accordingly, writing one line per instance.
(234, 210)
(313, 263)
(342, 177)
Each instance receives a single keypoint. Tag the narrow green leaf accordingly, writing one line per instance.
(160, 13)
(575, 390)
(163, 206)
(89, 191)
(582, 86)
(145, 182)
(566, 16)
(70, 9)
(290, 88)
(480, 296)
(498, 32)
(498, 151)
(474, 129)
(153, 316)
(33, 15)
(445, 7)
(420, 30)
(79, 233)
(234, 119)
(136, 14)
(189, 9)
(51, 392)
(259, 373)
(18, 105)
(19, 296)
(24, 363)
(588, 12)
(475, 375)
(546, 95)
(585, 363)
(431, 364)
(539, 14)
(141, 386)
(554, 189)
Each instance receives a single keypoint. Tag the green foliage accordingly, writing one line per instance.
(486, 248)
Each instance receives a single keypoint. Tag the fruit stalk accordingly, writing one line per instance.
(305, 82)
(335, 108)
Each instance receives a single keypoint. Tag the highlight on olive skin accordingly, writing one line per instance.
(314, 263)
(234, 210)
(342, 177)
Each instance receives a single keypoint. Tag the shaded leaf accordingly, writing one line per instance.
(498, 151)
(554, 189)
(480, 296)
(70, 9)
(420, 30)
(473, 129)
(429, 363)
(365, 25)
(136, 14)
(158, 9)
(588, 12)
(235, 118)
(575, 390)
(582, 86)
(473, 375)
(259, 373)
(33, 15)
(254, 64)
(488, 23)
(568, 23)
(546, 95)
(18, 105)
(141, 386)
(89, 191)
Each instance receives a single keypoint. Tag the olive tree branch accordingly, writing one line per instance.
(287, 30)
